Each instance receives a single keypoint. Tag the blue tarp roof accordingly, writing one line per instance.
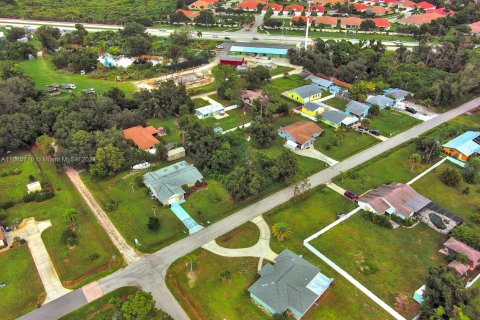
(465, 144)
(260, 50)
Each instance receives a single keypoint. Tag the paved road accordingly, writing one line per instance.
(149, 272)
(239, 36)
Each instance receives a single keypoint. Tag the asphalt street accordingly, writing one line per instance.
(149, 272)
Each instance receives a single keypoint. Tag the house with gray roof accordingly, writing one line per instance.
(381, 101)
(357, 109)
(291, 284)
(166, 183)
(396, 94)
(336, 118)
(306, 93)
(323, 83)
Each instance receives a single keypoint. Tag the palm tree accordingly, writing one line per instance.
(192, 259)
(71, 217)
(415, 159)
(281, 231)
(365, 122)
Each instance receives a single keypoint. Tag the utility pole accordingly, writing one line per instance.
(307, 14)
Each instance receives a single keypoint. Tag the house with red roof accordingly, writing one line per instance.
(317, 8)
(302, 133)
(378, 10)
(142, 137)
(202, 4)
(441, 11)
(360, 7)
(295, 8)
(407, 5)
(277, 8)
(296, 19)
(426, 5)
(420, 19)
(326, 21)
(351, 22)
(453, 246)
(248, 5)
(189, 14)
(381, 23)
(475, 28)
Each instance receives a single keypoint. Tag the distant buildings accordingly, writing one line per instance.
(464, 146)
(142, 137)
(420, 19)
(302, 133)
(292, 284)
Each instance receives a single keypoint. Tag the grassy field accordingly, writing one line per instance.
(100, 308)
(212, 86)
(14, 186)
(24, 289)
(170, 125)
(453, 199)
(223, 102)
(280, 70)
(43, 73)
(200, 102)
(336, 103)
(391, 122)
(236, 117)
(402, 257)
(244, 236)
(281, 84)
(74, 266)
(350, 142)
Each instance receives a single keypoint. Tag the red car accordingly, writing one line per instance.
(352, 196)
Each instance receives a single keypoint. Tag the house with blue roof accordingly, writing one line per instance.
(464, 146)
(381, 101)
(291, 284)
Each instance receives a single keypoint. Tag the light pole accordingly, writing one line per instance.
(307, 14)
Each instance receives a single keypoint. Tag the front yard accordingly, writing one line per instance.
(94, 256)
(391, 263)
(24, 289)
(391, 122)
(236, 117)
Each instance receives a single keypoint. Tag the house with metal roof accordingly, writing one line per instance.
(394, 199)
(464, 146)
(323, 83)
(306, 93)
(396, 94)
(453, 246)
(357, 109)
(313, 109)
(292, 284)
(381, 101)
(303, 133)
(336, 118)
(210, 111)
(252, 50)
(166, 183)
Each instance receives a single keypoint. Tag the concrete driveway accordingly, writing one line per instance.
(315, 154)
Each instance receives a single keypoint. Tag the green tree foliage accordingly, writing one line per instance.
(136, 38)
(244, 181)
(428, 149)
(48, 37)
(256, 77)
(286, 165)
(467, 235)
(450, 177)
(15, 50)
(76, 59)
(229, 83)
(471, 172)
(153, 223)
(9, 69)
(361, 89)
(262, 131)
(139, 306)
(367, 25)
(108, 161)
(15, 33)
(205, 17)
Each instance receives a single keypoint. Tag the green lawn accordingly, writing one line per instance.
(200, 102)
(14, 186)
(74, 266)
(244, 236)
(336, 103)
(236, 117)
(402, 257)
(350, 142)
(44, 73)
(392, 166)
(212, 86)
(340, 35)
(281, 84)
(453, 199)
(280, 70)
(223, 102)
(100, 308)
(391, 122)
(24, 289)
(170, 125)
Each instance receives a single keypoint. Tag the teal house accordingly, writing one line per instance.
(291, 284)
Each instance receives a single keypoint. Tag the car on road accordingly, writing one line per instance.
(215, 36)
(227, 38)
(352, 196)
(411, 110)
(398, 43)
(162, 30)
(256, 38)
(375, 132)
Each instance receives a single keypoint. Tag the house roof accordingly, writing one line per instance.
(401, 197)
(179, 150)
(356, 108)
(407, 4)
(378, 10)
(295, 7)
(326, 20)
(307, 90)
(232, 58)
(312, 106)
(381, 23)
(303, 18)
(320, 81)
(259, 50)
(248, 4)
(421, 18)
(253, 95)
(360, 6)
(141, 137)
(441, 11)
(274, 6)
(290, 283)
(459, 267)
(188, 13)
(302, 131)
(426, 5)
(460, 247)
(396, 93)
(201, 4)
(334, 116)
(317, 8)
(212, 108)
(168, 181)
(380, 101)
(351, 21)
(467, 143)
(475, 27)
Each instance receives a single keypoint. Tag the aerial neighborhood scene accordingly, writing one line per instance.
(240, 159)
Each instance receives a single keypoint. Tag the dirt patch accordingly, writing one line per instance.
(72, 284)
(194, 311)
(192, 279)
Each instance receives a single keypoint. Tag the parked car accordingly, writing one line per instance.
(375, 132)
(398, 43)
(352, 196)
(89, 90)
(163, 30)
(411, 110)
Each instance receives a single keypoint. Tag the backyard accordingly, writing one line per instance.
(391, 122)
(170, 126)
(236, 117)
(283, 84)
(391, 263)
(24, 290)
(94, 256)
(43, 73)
(336, 103)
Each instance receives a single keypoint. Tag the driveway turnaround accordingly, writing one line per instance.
(31, 231)
(149, 272)
(128, 253)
